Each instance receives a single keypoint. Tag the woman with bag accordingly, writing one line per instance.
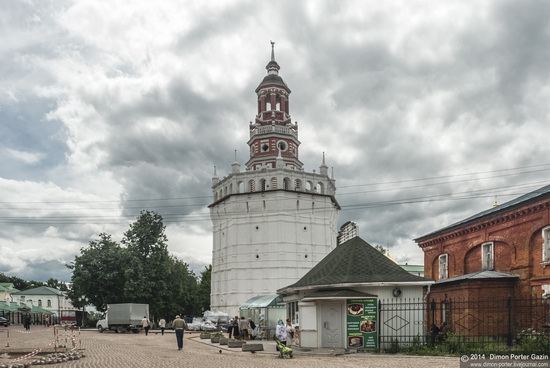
(289, 332)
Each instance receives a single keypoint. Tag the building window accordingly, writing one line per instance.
(546, 245)
(443, 266)
(49, 303)
(487, 256)
(292, 313)
(39, 302)
(445, 312)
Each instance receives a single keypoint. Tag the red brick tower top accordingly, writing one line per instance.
(273, 137)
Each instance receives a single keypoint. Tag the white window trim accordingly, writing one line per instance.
(443, 271)
(546, 246)
(484, 257)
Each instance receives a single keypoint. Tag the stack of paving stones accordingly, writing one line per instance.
(58, 358)
(48, 359)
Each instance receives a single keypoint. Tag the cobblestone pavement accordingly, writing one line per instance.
(110, 349)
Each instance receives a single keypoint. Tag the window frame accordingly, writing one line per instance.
(546, 245)
(485, 266)
(443, 259)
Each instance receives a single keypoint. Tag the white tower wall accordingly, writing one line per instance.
(273, 222)
(265, 241)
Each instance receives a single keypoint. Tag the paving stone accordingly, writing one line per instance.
(109, 350)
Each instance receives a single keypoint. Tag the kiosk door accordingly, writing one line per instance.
(331, 325)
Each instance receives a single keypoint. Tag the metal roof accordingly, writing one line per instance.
(507, 206)
(262, 301)
(480, 275)
(41, 290)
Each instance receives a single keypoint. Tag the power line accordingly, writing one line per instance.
(209, 197)
(193, 217)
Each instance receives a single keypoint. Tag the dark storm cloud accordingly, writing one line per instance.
(110, 112)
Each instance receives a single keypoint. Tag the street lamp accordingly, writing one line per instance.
(84, 301)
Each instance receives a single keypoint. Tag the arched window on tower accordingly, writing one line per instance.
(251, 186)
(320, 188)
(298, 184)
(263, 186)
(240, 187)
(286, 184)
(273, 183)
(309, 185)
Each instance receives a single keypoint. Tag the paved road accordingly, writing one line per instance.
(137, 350)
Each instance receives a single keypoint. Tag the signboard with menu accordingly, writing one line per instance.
(362, 323)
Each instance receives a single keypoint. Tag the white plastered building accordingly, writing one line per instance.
(273, 221)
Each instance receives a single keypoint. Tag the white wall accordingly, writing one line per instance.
(266, 241)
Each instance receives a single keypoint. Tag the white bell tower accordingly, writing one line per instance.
(273, 222)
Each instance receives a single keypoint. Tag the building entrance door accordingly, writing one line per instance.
(331, 324)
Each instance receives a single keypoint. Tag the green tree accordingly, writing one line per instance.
(56, 284)
(203, 294)
(149, 281)
(99, 273)
(185, 289)
(139, 270)
(19, 283)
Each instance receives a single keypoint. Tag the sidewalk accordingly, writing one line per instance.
(128, 350)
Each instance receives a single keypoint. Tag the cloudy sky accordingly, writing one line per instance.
(426, 110)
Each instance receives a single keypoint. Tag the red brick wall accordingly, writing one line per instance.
(517, 248)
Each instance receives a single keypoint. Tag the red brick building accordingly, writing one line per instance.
(500, 253)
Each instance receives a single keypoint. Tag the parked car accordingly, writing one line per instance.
(4, 322)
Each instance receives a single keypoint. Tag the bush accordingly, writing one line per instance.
(531, 341)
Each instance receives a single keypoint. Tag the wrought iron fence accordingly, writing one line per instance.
(464, 324)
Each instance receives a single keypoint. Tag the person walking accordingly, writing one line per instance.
(280, 332)
(162, 325)
(289, 332)
(27, 323)
(243, 328)
(179, 326)
(146, 324)
(236, 334)
(230, 327)
(252, 329)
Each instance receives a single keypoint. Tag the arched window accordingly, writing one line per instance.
(487, 256)
(39, 302)
(320, 188)
(273, 183)
(49, 303)
(546, 244)
(443, 266)
(251, 186)
(262, 185)
(297, 184)
(286, 184)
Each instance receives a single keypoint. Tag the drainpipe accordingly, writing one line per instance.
(428, 293)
